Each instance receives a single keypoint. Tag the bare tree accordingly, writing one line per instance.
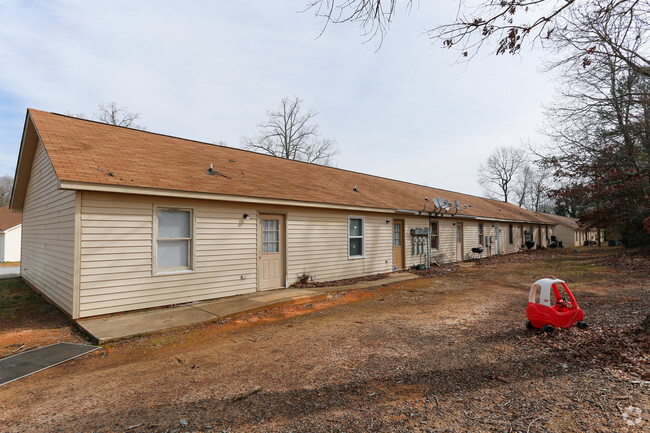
(496, 175)
(6, 185)
(114, 114)
(531, 187)
(508, 23)
(522, 185)
(600, 127)
(541, 182)
(290, 134)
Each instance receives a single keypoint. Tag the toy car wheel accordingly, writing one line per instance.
(529, 325)
(547, 328)
(582, 325)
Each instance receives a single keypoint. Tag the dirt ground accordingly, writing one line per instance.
(443, 354)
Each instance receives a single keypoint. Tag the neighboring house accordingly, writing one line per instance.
(571, 232)
(117, 219)
(10, 231)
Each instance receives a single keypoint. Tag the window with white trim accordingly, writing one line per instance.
(174, 240)
(434, 236)
(355, 237)
(480, 234)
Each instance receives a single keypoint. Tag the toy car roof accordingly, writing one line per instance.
(540, 291)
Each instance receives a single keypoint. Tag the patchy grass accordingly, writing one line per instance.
(18, 300)
(28, 321)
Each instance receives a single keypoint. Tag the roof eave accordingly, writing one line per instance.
(124, 189)
(28, 144)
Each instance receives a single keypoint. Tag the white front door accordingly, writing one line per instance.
(271, 252)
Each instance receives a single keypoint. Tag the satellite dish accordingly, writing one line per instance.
(436, 202)
(446, 205)
(457, 205)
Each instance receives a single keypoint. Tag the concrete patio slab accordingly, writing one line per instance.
(9, 272)
(120, 326)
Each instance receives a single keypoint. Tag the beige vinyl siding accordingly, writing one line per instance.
(117, 252)
(471, 238)
(48, 234)
(471, 231)
(536, 236)
(317, 245)
(414, 223)
(576, 237)
(503, 236)
(567, 235)
(507, 247)
(117, 242)
(446, 242)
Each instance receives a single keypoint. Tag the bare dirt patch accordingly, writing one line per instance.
(441, 354)
(304, 281)
(28, 322)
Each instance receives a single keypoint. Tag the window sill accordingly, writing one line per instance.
(181, 271)
(356, 257)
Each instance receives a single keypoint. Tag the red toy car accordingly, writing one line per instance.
(564, 312)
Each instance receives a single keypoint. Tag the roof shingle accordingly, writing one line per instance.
(96, 153)
(9, 219)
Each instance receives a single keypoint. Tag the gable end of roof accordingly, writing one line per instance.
(28, 144)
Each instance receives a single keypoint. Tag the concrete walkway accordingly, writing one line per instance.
(125, 325)
(9, 272)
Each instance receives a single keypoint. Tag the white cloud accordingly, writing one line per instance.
(210, 71)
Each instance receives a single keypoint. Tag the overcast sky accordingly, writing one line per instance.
(210, 72)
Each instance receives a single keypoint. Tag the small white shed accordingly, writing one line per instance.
(10, 235)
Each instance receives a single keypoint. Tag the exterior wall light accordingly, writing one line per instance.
(246, 217)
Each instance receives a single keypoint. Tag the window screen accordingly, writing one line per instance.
(174, 239)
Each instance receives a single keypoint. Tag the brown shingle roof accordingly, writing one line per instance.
(96, 153)
(567, 221)
(9, 219)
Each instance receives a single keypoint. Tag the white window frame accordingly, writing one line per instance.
(191, 247)
(481, 233)
(362, 237)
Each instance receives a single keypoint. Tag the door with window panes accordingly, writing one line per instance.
(271, 254)
(398, 244)
(460, 250)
